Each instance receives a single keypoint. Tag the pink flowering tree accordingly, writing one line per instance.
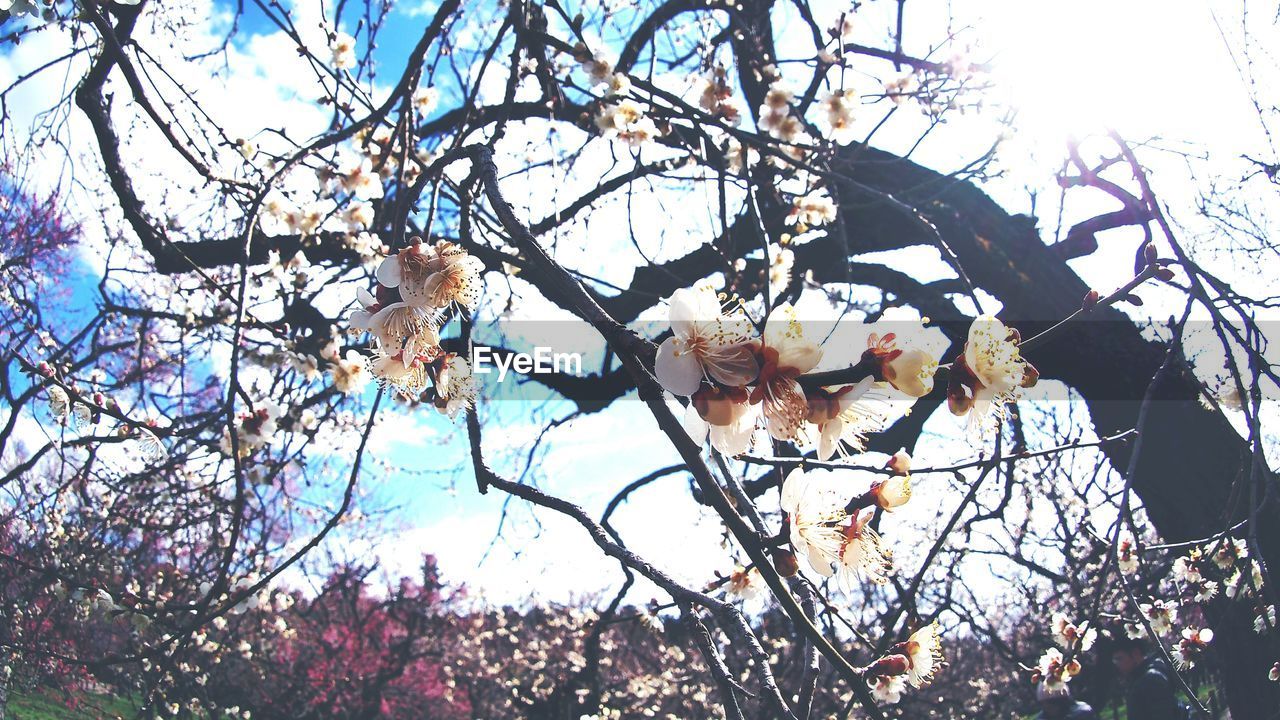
(936, 456)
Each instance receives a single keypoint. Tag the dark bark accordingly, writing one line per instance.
(1193, 464)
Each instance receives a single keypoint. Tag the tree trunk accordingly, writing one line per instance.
(1192, 465)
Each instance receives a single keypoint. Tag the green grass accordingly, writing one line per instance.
(46, 705)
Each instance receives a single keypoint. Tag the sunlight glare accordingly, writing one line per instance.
(1082, 67)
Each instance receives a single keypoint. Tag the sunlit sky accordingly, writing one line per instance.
(1146, 68)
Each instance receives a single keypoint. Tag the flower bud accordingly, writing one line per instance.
(720, 407)
(900, 463)
(784, 561)
(911, 372)
(959, 397)
(892, 493)
(1030, 375)
(824, 405)
(888, 666)
(1091, 298)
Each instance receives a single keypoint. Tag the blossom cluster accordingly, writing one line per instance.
(913, 663)
(92, 410)
(418, 288)
(1204, 572)
(737, 381)
(619, 117)
(1058, 665)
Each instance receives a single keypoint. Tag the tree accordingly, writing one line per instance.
(214, 419)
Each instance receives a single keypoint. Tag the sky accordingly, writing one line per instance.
(1146, 67)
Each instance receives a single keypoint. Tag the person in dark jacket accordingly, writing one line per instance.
(1150, 693)
(1059, 705)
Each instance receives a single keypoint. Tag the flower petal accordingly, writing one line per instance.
(359, 319)
(733, 365)
(389, 272)
(684, 312)
(679, 372)
(793, 489)
(829, 438)
(737, 437)
(695, 425)
(420, 294)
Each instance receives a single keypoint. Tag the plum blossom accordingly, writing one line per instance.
(706, 342)
(781, 260)
(840, 417)
(255, 428)
(626, 121)
(619, 84)
(358, 216)
(396, 325)
(900, 462)
(401, 370)
(360, 180)
(433, 276)
(893, 492)
(304, 220)
(786, 353)
(745, 584)
(1127, 554)
(1227, 552)
(832, 541)
(900, 88)
(1204, 591)
(815, 514)
(775, 115)
(1243, 584)
(150, 445)
(888, 689)
(1185, 568)
(1159, 615)
(989, 374)
(416, 287)
(1071, 636)
(1188, 650)
(726, 415)
(1265, 619)
(350, 373)
(59, 403)
(740, 157)
(812, 210)
(343, 47)
(1054, 671)
(862, 555)
(910, 370)
(597, 67)
(837, 116)
(425, 100)
(246, 148)
(923, 651)
(456, 387)
(717, 97)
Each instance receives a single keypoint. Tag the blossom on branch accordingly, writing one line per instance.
(707, 341)
(785, 354)
(989, 374)
(343, 49)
